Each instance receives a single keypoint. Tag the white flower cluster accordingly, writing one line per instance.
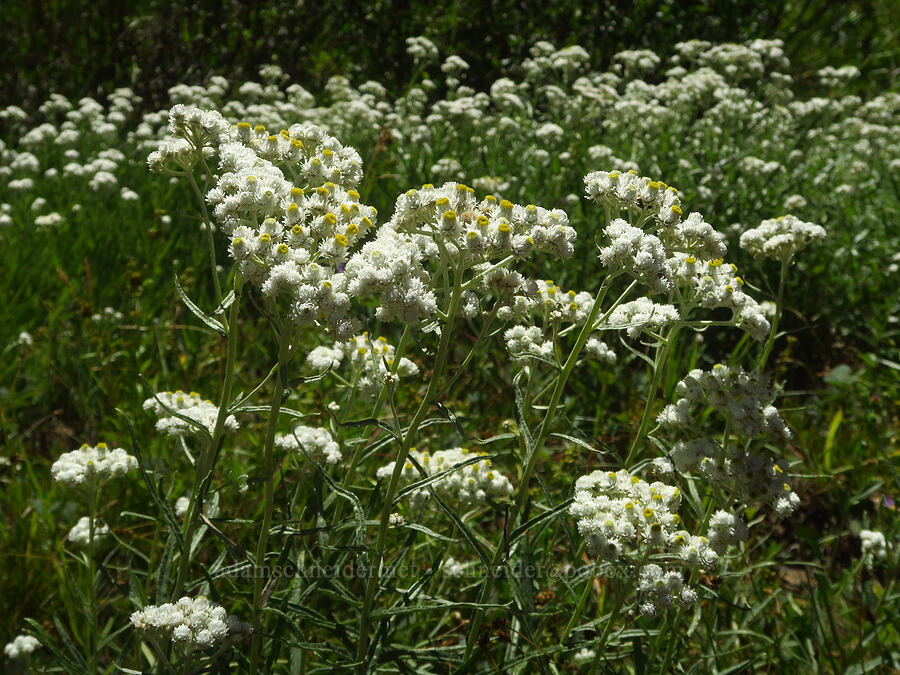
(421, 49)
(872, 545)
(468, 486)
(661, 589)
(629, 191)
(80, 534)
(743, 398)
(201, 412)
(391, 267)
(452, 568)
(599, 351)
(526, 298)
(195, 133)
(780, 238)
(617, 511)
(21, 646)
(92, 463)
(191, 623)
(370, 359)
(641, 316)
(714, 283)
(639, 254)
(750, 475)
(286, 236)
(314, 443)
(725, 529)
(476, 232)
(523, 341)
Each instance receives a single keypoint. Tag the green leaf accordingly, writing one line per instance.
(215, 324)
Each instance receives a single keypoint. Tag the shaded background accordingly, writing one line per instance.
(87, 48)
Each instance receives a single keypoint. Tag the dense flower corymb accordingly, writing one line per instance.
(193, 623)
(97, 463)
(202, 413)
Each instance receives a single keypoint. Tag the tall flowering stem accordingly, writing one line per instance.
(533, 452)
(259, 580)
(206, 460)
(394, 484)
(770, 342)
(662, 354)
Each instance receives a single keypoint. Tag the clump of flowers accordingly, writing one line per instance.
(194, 413)
(467, 486)
(744, 400)
(780, 238)
(92, 463)
(315, 443)
(190, 623)
(370, 360)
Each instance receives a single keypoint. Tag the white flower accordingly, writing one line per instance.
(80, 534)
(191, 623)
(873, 544)
(633, 251)
(21, 646)
(641, 315)
(190, 405)
(780, 238)
(181, 506)
(92, 463)
(468, 486)
(315, 443)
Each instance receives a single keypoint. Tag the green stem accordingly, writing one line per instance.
(209, 235)
(93, 628)
(532, 455)
(394, 484)
(764, 357)
(576, 615)
(662, 354)
(259, 580)
(600, 646)
(206, 459)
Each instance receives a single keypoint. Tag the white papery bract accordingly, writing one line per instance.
(92, 464)
(312, 442)
(469, 486)
(21, 646)
(201, 413)
(190, 623)
(80, 534)
(780, 238)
